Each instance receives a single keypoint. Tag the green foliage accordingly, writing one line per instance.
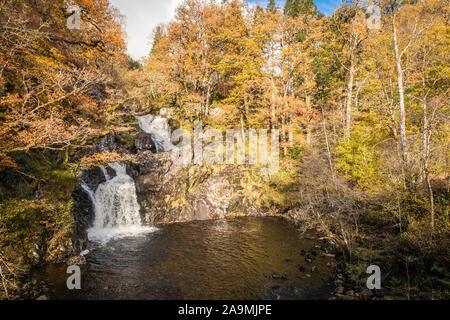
(134, 64)
(25, 222)
(35, 212)
(272, 6)
(357, 159)
(296, 153)
(294, 8)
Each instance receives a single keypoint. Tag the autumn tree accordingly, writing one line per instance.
(352, 30)
(272, 7)
(50, 74)
(295, 8)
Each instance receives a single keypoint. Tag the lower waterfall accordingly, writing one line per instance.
(116, 207)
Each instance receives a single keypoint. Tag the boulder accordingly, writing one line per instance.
(144, 142)
(106, 143)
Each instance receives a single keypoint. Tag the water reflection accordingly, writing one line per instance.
(246, 258)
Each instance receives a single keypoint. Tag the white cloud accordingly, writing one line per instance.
(141, 17)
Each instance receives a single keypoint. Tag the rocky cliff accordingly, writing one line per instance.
(176, 193)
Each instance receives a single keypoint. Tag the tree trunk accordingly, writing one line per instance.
(247, 109)
(308, 120)
(273, 108)
(430, 192)
(329, 156)
(426, 148)
(242, 128)
(401, 93)
(348, 120)
(208, 99)
(283, 132)
(291, 130)
(66, 154)
(291, 118)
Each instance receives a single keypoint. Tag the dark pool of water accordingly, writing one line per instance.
(245, 258)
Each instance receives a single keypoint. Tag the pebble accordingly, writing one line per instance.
(340, 290)
(344, 297)
(366, 293)
(277, 276)
(276, 290)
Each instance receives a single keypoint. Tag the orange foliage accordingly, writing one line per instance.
(52, 78)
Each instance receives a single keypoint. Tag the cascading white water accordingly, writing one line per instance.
(105, 173)
(115, 201)
(159, 130)
(116, 207)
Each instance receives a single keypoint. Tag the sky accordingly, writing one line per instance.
(142, 16)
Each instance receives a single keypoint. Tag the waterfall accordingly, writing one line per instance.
(116, 207)
(105, 173)
(159, 131)
(115, 201)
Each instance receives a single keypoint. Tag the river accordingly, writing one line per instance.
(243, 258)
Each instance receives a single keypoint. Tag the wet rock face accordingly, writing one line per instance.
(107, 143)
(143, 143)
(172, 193)
(110, 143)
(83, 214)
(94, 177)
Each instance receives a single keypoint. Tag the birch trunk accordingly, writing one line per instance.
(426, 149)
(273, 105)
(348, 121)
(308, 120)
(401, 93)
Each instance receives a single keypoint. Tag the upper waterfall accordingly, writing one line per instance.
(159, 130)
